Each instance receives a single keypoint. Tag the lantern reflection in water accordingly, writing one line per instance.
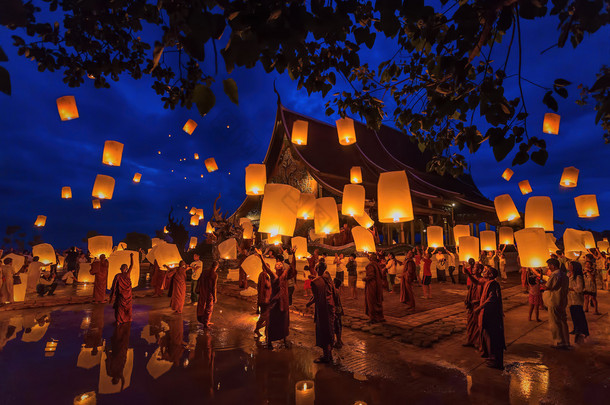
(529, 383)
(88, 398)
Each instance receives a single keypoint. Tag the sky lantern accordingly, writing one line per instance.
(508, 173)
(189, 127)
(165, 254)
(256, 178)
(603, 245)
(550, 242)
(137, 177)
(113, 153)
(156, 241)
(41, 221)
(199, 213)
(274, 240)
(588, 239)
(326, 216)
(117, 259)
(100, 245)
(165, 229)
(469, 248)
(193, 211)
(550, 125)
(363, 239)
(459, 231)
(300, 243)
(66, 192)
(569, 177)
(246, 224)
(574, 240)
(434, 236)
(210, 164)
(209, 228)
(66, 106)
(279, 210)
(394, 198)
(299, 132)
(364, 220)
(121, 246)
(346, 131)
(96, 204)
(306, 206)
(525, 187)
(355, 175)
(488, 240)
(196, 156)
(45, 253)
(586, 206)
(505, 208)
(353, 200)
(252, 267)
(532, 247)
(103, 188)
(193, 242)
(194, 220)
(505, 235)
(539, 213)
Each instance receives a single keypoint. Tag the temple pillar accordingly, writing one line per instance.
(413, 233)
(401, 234)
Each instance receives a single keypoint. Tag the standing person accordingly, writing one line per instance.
(590, 293)
(243, 276)
(197, 267)
(158, 279)
(312, 261)
(6, 288)
(292, 277)
(207, 294)
(34, 270)
(534, 279)
(324, 315)
(426, 275)
(558, 286)
(99, 268)
(472, 303)
(71, 260)
(177, 275)
(340, 269)
(576, 300)
(451, 264)
(390, 267)
(502, 264)
(441, 267)
(338, 324)
(263, 288)
(279, 312)
(352, 275)
(417, 258)
(406, 284)
(373, 290)
(121, 290)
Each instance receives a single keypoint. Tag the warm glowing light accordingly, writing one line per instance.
(306, 206)
(346, 131)
(66, 192)
(550, 243)
(117, 259)
(550, 125)
(326, 216)
(305, 393)
(193, 242)
(113, 153)
(96, 204)
(539, 213)
(210, 165)
(165, 254)
(488, 240)
(435, 236)
(45, 253)
(196, 156)
(246, 225)
(103, 188)
(603, 245)
(469, 248)
(274, 239)
(194, 220)
(165, 229)
(353, 200)
(256, 178)
(199, 213)
(532, 247)
(525, 187)
(364, 220)
(363, 239)
(459, 231)
(301, 244)
(505, 208)
(569, 177)
(355, 175)
(137, 177)
(100, 245)
(66, 106)
(209, 228)
(505, 235)
(189, 127)
(586, 206)
(41, 221)
(508, 173)
(299, 132)
(279, 209)
(394, 198)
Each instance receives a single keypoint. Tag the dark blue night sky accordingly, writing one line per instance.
(40, 153)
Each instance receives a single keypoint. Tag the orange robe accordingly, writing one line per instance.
(121, 290)
(100, 270)
(406, 287)
(373, 292)
(178, 277)
(207, 296)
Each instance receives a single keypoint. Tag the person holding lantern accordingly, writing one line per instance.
(324, 315)
(534, 281)
(158, 279)
(279, 312)
(178, 277)
(196, 266)
(99, 269)
(557, 289)
(121, 290)
(263, 288)
(373, 290)
(207, 294)
(6, 287)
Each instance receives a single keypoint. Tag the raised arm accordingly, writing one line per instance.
(130, 264)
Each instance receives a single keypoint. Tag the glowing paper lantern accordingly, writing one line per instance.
(525, 187)
(210, 164)
(550, 243)
(459, 231)
(193, 211)
(66, 192)
(394, 198)
(165, 229)
(569, 177)
(196, 156)
(346, 131)
(41, 221)
(588, 240)
(199, 213)
(164, 254)
(103, 188)
(488, 240)
(326, 216)
(586, 206)
(195, 220)
(306, 206)
(355, 175)
(120, 257)
(66, 106)
(274, 240)
(246, 224)
(299, 132)
(532, 247)
(113, 153)
(574, 240)
(193, 242)
(189, 127)
(539, 213)
(506, 236)
(364, 240)
(121, 246)
(300, 243)
(209, 228)
(603, 245)
(256, 178)
(508, 173)
(96, 204)
(279, 210)
(83, 273)
(364, 220)
(137, 177)
(353, 200)
(228, 249)
(156, 241)
(505, 208)
(435, 236)
(550, 125)
(252, 266)
(100, 245)
(469, 248)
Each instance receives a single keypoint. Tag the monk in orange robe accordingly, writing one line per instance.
(121, 290)
(158, 279)
(116, 355)
(279, 313)
(473, 332)
(178, 279)
(263, 288)
(207, 294)
(99, 269)
(373, 290)
(406, 284)
(324, 315)
(491, 319)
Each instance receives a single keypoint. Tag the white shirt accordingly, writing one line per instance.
(451, 259)
(340, 263)
(391, 266)
(197, 266)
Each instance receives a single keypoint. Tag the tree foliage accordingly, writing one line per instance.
(443, 73)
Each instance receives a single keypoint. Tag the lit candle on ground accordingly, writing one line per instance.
(304, 393)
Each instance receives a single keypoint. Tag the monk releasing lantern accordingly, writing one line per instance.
(117, 259)
(137, 177)
(459, 231)
(435, 236)
(394, 198)
(506, 236)
(66, 106)
(96, 204)
(353, 200)
(41, 221)
(193, 242)
(103, 188)
(364, 220)
(299, 132)
(194, 220)
(550, 125)
(209, 228)
(508, 173)
(488, 240)
(113, 153)
(469, 248)
(505, 208)
(210, 164)
(532, 247)
(256, 178)
(363, 239)
(246, 224)
(355, 175)
(279, 210)
(569, 177)
(66, 192)
(539, 213)
(189, 127)
(100, 245)
(300, 243)
(525, 187)
(326, 216)
(45, 253)
(346, 131)
(586, 206)
(306, 206)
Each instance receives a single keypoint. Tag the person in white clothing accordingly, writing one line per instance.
(197, 267)
(391, 269)
(34, 270)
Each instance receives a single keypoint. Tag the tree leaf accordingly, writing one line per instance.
(561, 83)
(230, 88)
(204, 98)
(3, 57)
(562, 92)
(550, 101)
(5, 81)
(540, 156)
(520, 158)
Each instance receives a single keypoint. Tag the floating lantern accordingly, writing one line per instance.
(113, 153)
(210, 164)
(299, 132)
(532, 247)
(435, 236)
(137, 177)
(539, 213)
(119, 258)
(256, 178)
(355, 175)
(488, 240)
(193, 211)
(189, 127)
(469, 248)
(96, 204)
(394, 198)
(505, 208)
(66, 193)
(300, 243)
(246, 224)
(252, 267)
(525, 187)
(156, 241)
(45, 252)
(305, 393)
(196, 156)
(508, 173)
(550, 125)
(100, 245)
(569, 177)
(193, 242)
(66, 106)
(353, 200)
(209, 228)
(165, 229)
(194, 220)
(306, 206)
(364, 220)
(103, 188)
(459, 231)
(605, 239)
(326, 216)
(346, 131)
(363, 239)
(279, 210)
(199, 213)
(165, 254)
(506, 236)
(228, 249)
(603, 245)
(588, 240)
(550, 243)
(574, 240)
(274, 240)
(586, 206)
(121, 246)
(41, 221)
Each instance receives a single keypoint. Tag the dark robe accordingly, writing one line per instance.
(373, 292)
(121, 291)
(312, 261)
(158, 279)
(406, 287)
(491, 323)
(207, 295)
(100, 270)
(279, 313)
(116, 357)
(172, 344)
(473, 332)
(324, 314)
(243, 277)
(263, 288)
(178, 277)
(93, 335)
